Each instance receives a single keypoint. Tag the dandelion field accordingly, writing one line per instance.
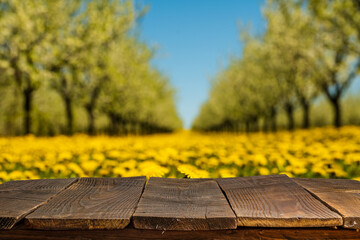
(318, 153)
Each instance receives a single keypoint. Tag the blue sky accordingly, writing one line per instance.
(194, 39)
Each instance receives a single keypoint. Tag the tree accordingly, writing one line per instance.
(25, 29)
(112, 23)
(334, 52)
(289, 38)
(261, 80)
(138, 97)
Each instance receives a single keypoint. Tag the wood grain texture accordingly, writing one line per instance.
(240, 233)
(19, 198)
(275, 201)
(90, 203)
(342, 195)
(183, 204)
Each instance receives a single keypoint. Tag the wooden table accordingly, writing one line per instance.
(260, 207)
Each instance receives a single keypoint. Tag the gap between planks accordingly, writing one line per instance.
(341, 195)
(20, 198)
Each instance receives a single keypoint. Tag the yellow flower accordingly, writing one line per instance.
(114, 154)
(192, 172)
(65, 156)
(4, 176)
(104, 172)
(90, 166)
(264, 171)
(99, 157)
(59, 168)
(212, 162)
(40, 165)
(16, 175)
(30, 175)
(260, 160)
(75, 169)
(299, 170)
(288, 174)
(226, 172)
(84, 157)
(152, 169)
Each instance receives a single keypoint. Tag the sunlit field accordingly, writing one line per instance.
(320, 153)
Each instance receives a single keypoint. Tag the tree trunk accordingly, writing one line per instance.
(90, 109)
(255, 124)
(290, 115)
(337, 112)
(237, 127)
(247, 126)
(273, 114)
(69, 115)
(91, 119)
(28, 97)
(113, 125)
(265, 127)
(306, 115)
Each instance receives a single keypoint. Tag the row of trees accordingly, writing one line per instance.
(89, 54)
(310, 48)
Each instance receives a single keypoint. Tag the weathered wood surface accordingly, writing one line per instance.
(75, 205)
(275, 201)
(19, 198)
(238, 234)
(342, 195)
(183, 204)
(90, 203)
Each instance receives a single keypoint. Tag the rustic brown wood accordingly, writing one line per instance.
(342, 195)
(275, 201)
(90, 203)
(183, 204)
(240, 233)
(19, 198)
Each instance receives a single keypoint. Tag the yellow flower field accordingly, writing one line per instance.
(323, 152)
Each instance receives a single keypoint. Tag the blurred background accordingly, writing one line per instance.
(112, 67)
(240, 88)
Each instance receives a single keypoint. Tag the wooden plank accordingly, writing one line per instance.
(90, 203)
(342, 195)
(275, 201)
(19, 198)
(183, 204)
(241, 233)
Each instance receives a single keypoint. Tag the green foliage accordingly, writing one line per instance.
(69, 63)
